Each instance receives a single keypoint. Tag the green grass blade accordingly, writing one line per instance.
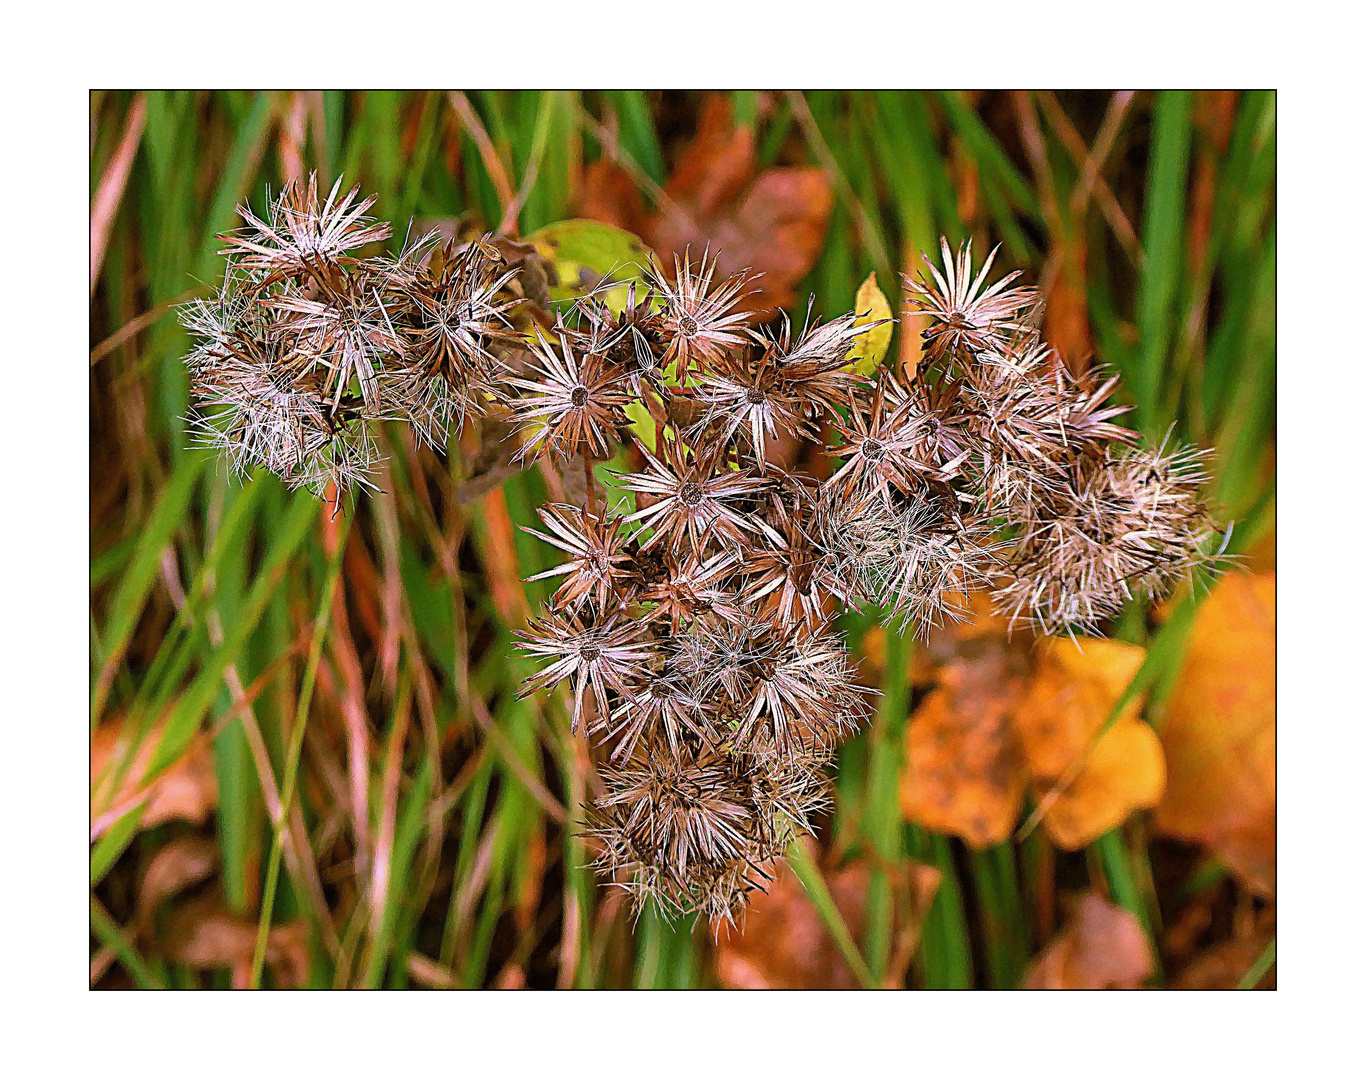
(813, 881)
(136, 583)
(1163, 250)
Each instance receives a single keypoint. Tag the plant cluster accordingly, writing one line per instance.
(694, 627)
(693, 620)
(306, 344)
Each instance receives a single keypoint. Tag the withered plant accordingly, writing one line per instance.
(765, 482)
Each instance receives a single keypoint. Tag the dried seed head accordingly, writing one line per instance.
(1124, 523)
(574, 405)
(303, 236)
(699, 323)
(967, 316)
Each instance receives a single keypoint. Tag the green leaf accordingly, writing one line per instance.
(136, 584)
(872, 311)
(1164, 222)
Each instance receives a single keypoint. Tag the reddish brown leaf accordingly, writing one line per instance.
(717, 165)
(1102, 946)
(611, 196)
(774, 223)
(783, 943)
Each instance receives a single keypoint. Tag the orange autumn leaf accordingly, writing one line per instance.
(1074, 689)
(964, 768)
(1102, 946)
(1219, 731)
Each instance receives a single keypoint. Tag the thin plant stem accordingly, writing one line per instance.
(320, 625)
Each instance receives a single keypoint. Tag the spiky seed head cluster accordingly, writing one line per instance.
(691, 622)
(1088, 517)
(308, 342)
(692, 618)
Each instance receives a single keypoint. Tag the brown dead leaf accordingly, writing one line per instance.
(610, 195)
(1074, 688)
(773, 223)
(204, 935)
(783, 944)
(1102, 946)
(188, 789)
(180, 864)
(1219, 732)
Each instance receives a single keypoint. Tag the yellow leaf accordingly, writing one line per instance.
(1074, 689)
(872, 311)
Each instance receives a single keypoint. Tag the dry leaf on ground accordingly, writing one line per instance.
(1219, 732)
(1102, 946)
(783, 944)
(204, 935)
(188, 789)
(774, 222)
(1074, 688)
(964, 769)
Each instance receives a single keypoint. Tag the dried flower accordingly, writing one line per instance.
(966, 315)
(599, 568)
(793, 573)
(1123, 523)
(696, 496)
(595, 657)
(699, 324)
(348, 332)
(303, 237)
(457, 308)
(574, 405)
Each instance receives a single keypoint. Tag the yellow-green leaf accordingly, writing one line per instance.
(642, 424)
(872, 311)
(578, 245)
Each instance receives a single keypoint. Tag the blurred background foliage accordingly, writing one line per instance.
(419, 829)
